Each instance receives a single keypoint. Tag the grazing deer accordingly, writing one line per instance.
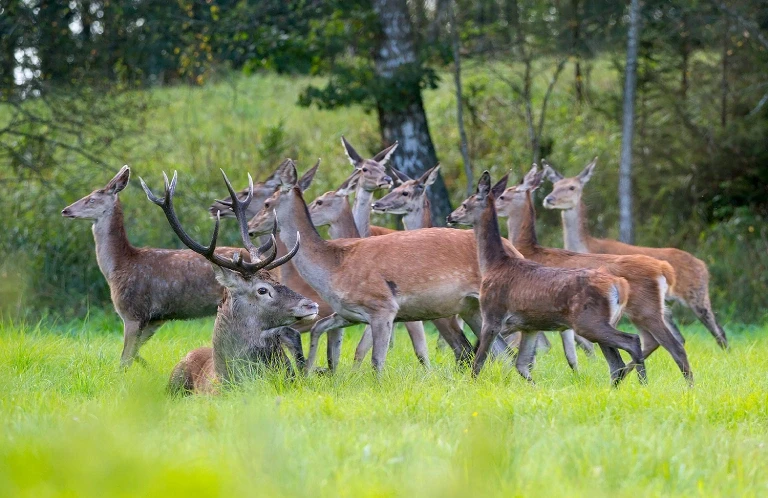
(332, 209)
(402, 276)
(648, 278)
(251, 323)
(517, 294)
(692, 286)
(148, 286)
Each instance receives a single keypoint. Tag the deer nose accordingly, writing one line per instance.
(549, 199)
(387, 180)
(449, 220)
(306, 308)
(66, 212)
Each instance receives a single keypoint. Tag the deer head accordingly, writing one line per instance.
(100, 202)
(470, 210)
(264, 220)
(250, 288)
(512, 200)
(374, 174)
(261, 192)
(327, 208)
(408, 196)
(566, 192)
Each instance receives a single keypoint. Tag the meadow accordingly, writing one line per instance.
(74, 424)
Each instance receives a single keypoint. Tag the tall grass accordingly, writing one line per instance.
(73, 424)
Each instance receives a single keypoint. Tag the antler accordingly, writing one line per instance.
(209, 252)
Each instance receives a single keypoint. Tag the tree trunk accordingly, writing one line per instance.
(724, 79)
(626, 225)
(406, 121)
(576, 33)
(455, 45)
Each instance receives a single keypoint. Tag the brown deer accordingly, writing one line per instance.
(261, 192)
(692, 286)
(148, 286)
(332, 209)
(252, 319)
(648, 278)
(518, 294)
(402, 276)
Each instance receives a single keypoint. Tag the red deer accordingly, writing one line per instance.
(332, 209)
(518, 294)
(252, 319)
(148, 286)
(692, 286)
(403, 276)
(648, 278)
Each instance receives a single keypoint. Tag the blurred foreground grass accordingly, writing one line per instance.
(73, 424)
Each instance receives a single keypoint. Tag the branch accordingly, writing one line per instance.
(750, 26)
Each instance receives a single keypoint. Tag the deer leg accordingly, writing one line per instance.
(365, 345)
(381, 330)
(585, 345)
(672, 326)
(499, 347)
(333, 321)
(526, 354)
(608, 336)
(655, 327)
(616, 367)
(703, 311)
(569, 347)
(291, 339)
(419, 340)
(333, 348)
(488, 335)
(131, 334)
(453, 336)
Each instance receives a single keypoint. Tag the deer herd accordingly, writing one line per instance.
(507, 291)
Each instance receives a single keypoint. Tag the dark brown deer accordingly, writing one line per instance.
(148, 285)
(648, 278)
(252, 319)
(692, 287)
(403, 276)
(517, 294)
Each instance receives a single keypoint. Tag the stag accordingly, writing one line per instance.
(517, 294)
(253, 317)
(692, 286)
(148, 286)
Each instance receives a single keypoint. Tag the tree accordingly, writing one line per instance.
(626, 225)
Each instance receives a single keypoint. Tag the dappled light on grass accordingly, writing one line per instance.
(75, 424)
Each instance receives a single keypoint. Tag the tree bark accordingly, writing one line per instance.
(626, 225)
(576, 33)
(724, 78)
(455, 45)
(405, 122)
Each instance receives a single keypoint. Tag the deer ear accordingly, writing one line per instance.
(383, 156)
(586, 173)
(399, 176)
(273, 181)
(500, 186)
(350, 184)
(430, 176)
(484, 185)
(306, 179)
(226, 277)
(550, 172)
(352, 154)
(120, 180)
(288, 176)
(532, 179)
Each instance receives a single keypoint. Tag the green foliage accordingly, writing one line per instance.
(74, 424)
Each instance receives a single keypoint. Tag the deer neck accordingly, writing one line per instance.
(112, 245)
(490, 249)
(362, 211)
(420, 217)
(575, 232)
(522, 233)
(316, 260)
(344, 227)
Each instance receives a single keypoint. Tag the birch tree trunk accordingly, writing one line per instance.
(626, 224)
(455, 45)
(406, 122)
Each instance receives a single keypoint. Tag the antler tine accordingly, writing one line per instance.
(166, 204)
(284, 259)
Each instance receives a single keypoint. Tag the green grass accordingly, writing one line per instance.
(73, 424)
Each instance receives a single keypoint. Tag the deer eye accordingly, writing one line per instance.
(319, 203)
(501, 198)
(572, 188)
(91, 200)
(262, 290)
(365, 170)
(405, 194)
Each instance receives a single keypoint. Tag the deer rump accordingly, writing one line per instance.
(414, 270)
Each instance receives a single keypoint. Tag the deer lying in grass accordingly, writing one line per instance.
(332, 209)
(648, 278)
(517, 294)
(692, 287)
(148, 286)
(251, 323)
(403, 276)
